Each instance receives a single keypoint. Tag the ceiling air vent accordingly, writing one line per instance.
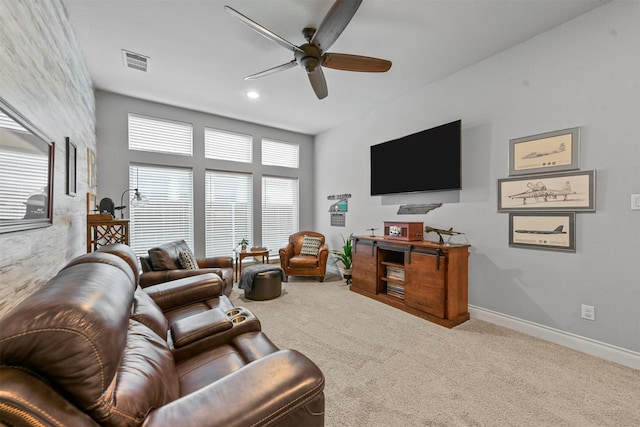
(135, 60)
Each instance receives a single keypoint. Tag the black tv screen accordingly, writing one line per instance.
(429, 160)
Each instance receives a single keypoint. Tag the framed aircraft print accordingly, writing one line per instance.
(564, 192)
(546, 152)
(553, 231)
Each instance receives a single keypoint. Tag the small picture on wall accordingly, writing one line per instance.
(546, 152)
(553, 231)
(72, 161)
(91, 168)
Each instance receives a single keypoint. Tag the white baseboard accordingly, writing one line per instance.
(605, 351)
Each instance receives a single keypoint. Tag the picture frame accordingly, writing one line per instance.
(551, 231)
(92, 204)
(545, 152)
(563, 192)
(72, 162)
(91, 168)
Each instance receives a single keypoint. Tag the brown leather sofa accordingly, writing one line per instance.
(92, 348)
(295, 264)
(163, 264)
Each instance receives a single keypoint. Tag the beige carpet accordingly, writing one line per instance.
(384, 367)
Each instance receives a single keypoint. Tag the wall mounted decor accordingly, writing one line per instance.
(338, 210)
(91, 168)
(72, 162)
(568, 191)
(26, 173)
(546, 152)
(92, 204)
(552, 231)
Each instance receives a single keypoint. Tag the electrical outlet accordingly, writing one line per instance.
(588, 312)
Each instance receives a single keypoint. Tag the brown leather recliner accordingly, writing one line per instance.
(295, 264)
(177, 298)
(163, 264)
(84, 351)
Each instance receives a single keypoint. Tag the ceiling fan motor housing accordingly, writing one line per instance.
(309, 58)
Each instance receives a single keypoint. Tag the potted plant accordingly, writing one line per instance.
(243, 244)
(345, 257)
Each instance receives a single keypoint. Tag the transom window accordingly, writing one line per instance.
(224, 145)
(278, 153)
(160, 135)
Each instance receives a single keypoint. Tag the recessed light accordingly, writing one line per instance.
(253, 94)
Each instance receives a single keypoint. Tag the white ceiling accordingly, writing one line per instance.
(199, 54)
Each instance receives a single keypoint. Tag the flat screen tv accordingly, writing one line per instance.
(429, 160)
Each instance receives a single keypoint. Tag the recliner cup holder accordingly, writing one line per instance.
(234, 312)
(239, 319)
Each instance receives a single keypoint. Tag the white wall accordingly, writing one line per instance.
(43, 76)
(584, 73)
(114, 157)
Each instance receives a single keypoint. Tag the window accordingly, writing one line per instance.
(279, 211)
(275, 153)
(228, 208)
(160, 135)
(169, 214)
(223, 145)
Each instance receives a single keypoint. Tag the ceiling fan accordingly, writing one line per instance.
(313, 55)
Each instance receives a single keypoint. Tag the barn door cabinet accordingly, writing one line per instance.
(423, 278)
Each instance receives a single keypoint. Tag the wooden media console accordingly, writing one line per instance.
(427, 279)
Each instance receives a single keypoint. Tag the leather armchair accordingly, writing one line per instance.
(162, 265)
(295, 264)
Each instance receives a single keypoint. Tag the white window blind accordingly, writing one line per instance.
(279, 211)
(224, 145)
(22, 174)
(169, 214)
(276, 153)
(160, 135)
(228, 209)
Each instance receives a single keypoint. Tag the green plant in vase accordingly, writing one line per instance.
(345, 257)
(243, 244)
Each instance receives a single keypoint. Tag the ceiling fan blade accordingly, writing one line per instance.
(272, 70)
(334, 23)
(262, 30)
(346, 62)
(318, 83)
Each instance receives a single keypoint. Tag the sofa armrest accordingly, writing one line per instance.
(216, 262)
(201, 325)
(150, 278)
(244, 398)
(178, 293)
(286, 253)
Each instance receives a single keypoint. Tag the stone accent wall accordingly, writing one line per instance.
(43, 75)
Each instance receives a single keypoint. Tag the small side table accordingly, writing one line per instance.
(240, 255)
(104, 230)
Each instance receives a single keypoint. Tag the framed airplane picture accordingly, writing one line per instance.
(546, 152)
(553, 231)
(564, 192)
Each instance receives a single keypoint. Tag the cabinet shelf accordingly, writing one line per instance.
(393, 264)
(392, 280)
